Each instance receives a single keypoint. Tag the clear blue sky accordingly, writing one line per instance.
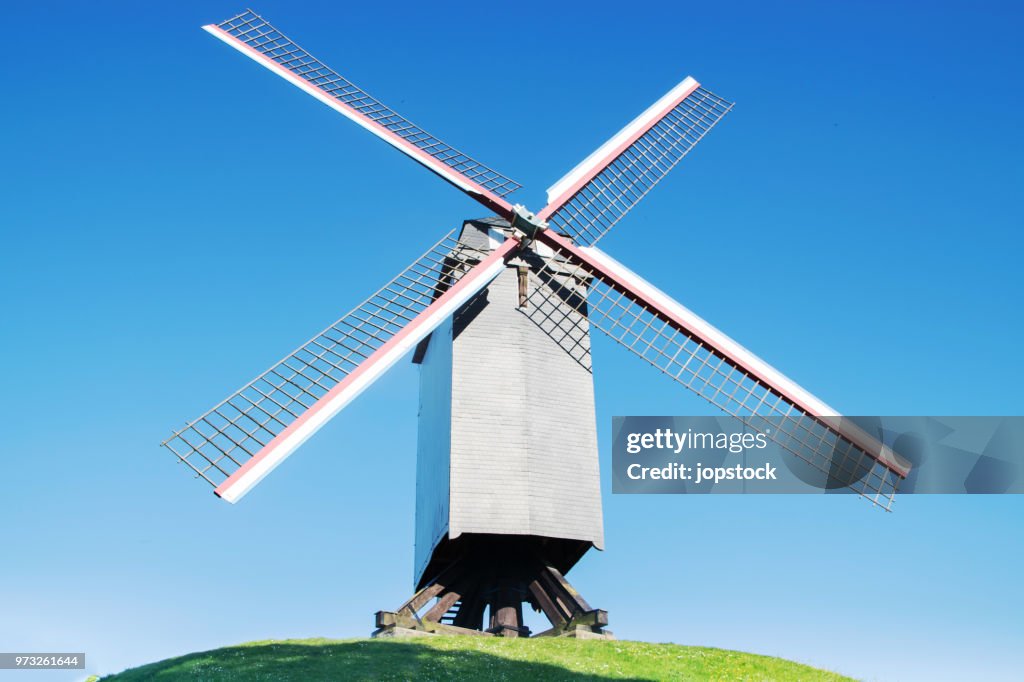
(175, 218)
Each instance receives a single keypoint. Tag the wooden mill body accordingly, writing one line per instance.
(507, 444)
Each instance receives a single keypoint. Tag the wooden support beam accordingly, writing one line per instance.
(443, 629)
(595, 618)
(445, 602)
(509, 631)
(550, 608)
(392, 619)
(420, 599)
(581, 603)
(434, 588)
(565, 599)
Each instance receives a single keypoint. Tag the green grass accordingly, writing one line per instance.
(471, 658)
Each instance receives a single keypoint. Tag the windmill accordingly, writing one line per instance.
(498, 314)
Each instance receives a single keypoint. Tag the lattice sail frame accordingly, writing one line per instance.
(832, 445)
(221, 442)
(252, 35)
(595, 195)
(222, 445)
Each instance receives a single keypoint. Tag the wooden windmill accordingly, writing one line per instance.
(498, 314)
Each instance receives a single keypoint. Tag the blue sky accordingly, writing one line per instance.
(174, 219)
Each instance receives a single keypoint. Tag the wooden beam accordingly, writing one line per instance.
(565, 599)
(432, 589)
(445, 602)
(420, 599)
(443, 629)
(595, 618)
(547, 605)
(564, 584)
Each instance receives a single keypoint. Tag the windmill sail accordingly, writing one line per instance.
(706, 361)
(595, 195)
(238, 442)
(254, 37)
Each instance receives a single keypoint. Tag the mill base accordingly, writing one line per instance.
(496, 586)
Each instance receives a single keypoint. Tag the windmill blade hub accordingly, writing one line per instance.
(526, 223)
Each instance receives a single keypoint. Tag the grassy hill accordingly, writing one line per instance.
(471, 658)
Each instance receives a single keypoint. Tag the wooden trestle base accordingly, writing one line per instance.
(455, 602)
